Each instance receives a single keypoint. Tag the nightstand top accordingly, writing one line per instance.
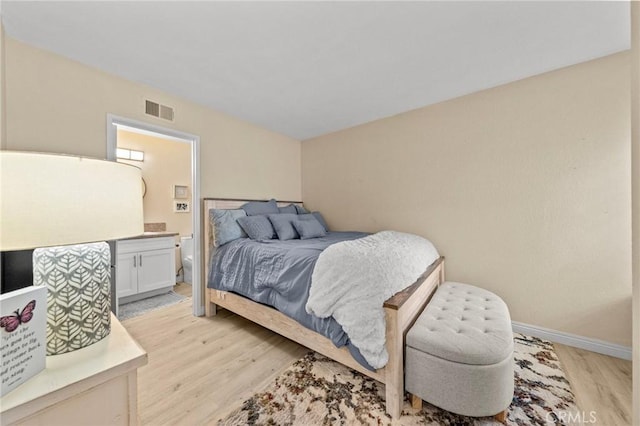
(75, 372)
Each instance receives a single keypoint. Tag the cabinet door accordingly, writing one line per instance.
(156, 269)
(127, 275)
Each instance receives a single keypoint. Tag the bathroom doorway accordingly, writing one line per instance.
(169, 162)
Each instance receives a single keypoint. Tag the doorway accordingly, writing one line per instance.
(182, 193)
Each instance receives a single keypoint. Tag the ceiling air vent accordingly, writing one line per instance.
(157, 110)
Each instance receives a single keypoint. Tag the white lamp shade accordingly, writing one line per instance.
(52, 200)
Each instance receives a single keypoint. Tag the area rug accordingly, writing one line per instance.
(318, 391)
(139, 307)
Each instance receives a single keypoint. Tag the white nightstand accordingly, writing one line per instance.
(96, 385)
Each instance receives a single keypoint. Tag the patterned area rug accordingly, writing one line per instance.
(318, 391)
(139, 307)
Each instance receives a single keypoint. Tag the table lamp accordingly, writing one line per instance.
(58, 204)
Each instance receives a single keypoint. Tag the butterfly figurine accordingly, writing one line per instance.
(11, 322)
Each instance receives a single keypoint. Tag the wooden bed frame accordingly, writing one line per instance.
(401, 311)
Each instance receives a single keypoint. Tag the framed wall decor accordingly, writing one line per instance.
(180, 191)
(181, 206)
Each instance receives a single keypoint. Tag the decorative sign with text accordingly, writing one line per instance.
(23, 321)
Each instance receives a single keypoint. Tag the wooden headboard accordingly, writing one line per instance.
(227, 204)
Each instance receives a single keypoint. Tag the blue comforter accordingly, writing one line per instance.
(278, 273)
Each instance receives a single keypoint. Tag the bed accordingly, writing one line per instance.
(400, 311)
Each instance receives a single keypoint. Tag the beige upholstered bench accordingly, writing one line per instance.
(459, 353)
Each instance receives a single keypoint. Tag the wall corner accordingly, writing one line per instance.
(3, 91)
(635, 201)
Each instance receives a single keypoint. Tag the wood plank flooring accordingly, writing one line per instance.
(601, 384)
(200, 369)
(183, 289)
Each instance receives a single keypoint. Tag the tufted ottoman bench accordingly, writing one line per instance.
(459, 353)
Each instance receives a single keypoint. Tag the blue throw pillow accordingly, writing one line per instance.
(301, 209)
(225, 225)
(283, 225)
(258, 228)
(320, 219)
(288, 209)
(308, 227)
(254, 208)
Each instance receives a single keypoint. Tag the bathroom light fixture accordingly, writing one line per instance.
(129, 154)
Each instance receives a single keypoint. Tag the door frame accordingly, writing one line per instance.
(113, 121)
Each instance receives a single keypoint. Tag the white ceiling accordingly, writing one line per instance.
(309, 68)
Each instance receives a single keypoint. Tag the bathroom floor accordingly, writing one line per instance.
(183, 289)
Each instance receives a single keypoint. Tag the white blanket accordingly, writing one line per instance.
(352, 279)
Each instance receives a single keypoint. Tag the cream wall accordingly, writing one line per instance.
(525, 188)
(635, 114)
(2, 89)
(166, 163)
(58, 105)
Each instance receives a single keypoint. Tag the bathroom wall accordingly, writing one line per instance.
(166, 163)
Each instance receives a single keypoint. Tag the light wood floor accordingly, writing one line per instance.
(601, 384)
(200, 369)
(183, 289)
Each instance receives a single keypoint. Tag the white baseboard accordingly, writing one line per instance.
(587, 343)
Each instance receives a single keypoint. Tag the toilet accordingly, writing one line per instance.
(186, 250)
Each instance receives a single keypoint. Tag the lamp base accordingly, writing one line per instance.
(79, 294)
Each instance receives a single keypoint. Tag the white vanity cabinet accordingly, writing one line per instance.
(145, 266)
